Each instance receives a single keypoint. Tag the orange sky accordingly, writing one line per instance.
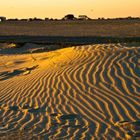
(59, 8)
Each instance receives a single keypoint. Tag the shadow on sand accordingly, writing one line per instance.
(23, 71)
(49, 43)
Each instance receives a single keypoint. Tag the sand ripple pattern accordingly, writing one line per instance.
(82, 92)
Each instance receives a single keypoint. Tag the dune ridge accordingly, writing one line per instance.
(81, 92)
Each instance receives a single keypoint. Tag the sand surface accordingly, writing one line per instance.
(80, 92)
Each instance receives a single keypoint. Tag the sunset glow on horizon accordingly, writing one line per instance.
(59, 8)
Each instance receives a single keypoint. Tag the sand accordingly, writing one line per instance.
(80, 92)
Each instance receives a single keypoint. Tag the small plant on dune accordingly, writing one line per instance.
(13, 45)
(31, 53)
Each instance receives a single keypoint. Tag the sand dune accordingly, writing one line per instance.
(81, 92)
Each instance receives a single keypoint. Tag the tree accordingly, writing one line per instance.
(69, 17)
(2, 19)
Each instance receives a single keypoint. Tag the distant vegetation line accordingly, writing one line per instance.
(67, 17)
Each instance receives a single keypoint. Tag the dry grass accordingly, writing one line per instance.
(115, 28)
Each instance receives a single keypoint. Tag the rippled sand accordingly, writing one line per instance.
(82, 92)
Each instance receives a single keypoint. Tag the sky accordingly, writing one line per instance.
(59, 8)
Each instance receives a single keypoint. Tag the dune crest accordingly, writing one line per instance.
(81, 92)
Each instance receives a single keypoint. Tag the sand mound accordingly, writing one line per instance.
(82, 92)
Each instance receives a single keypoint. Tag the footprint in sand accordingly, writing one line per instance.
(10, 74)
(14, 108)
(58, 119)
(62, 124)
(69, 117)
(31, 109)
(132, 128)
(10, 108)
(34, 110)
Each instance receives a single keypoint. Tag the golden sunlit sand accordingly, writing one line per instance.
(80, 92)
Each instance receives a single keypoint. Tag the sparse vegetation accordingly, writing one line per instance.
(32, 56)
(74, 28)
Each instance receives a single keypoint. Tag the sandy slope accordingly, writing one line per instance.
(82, 92)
